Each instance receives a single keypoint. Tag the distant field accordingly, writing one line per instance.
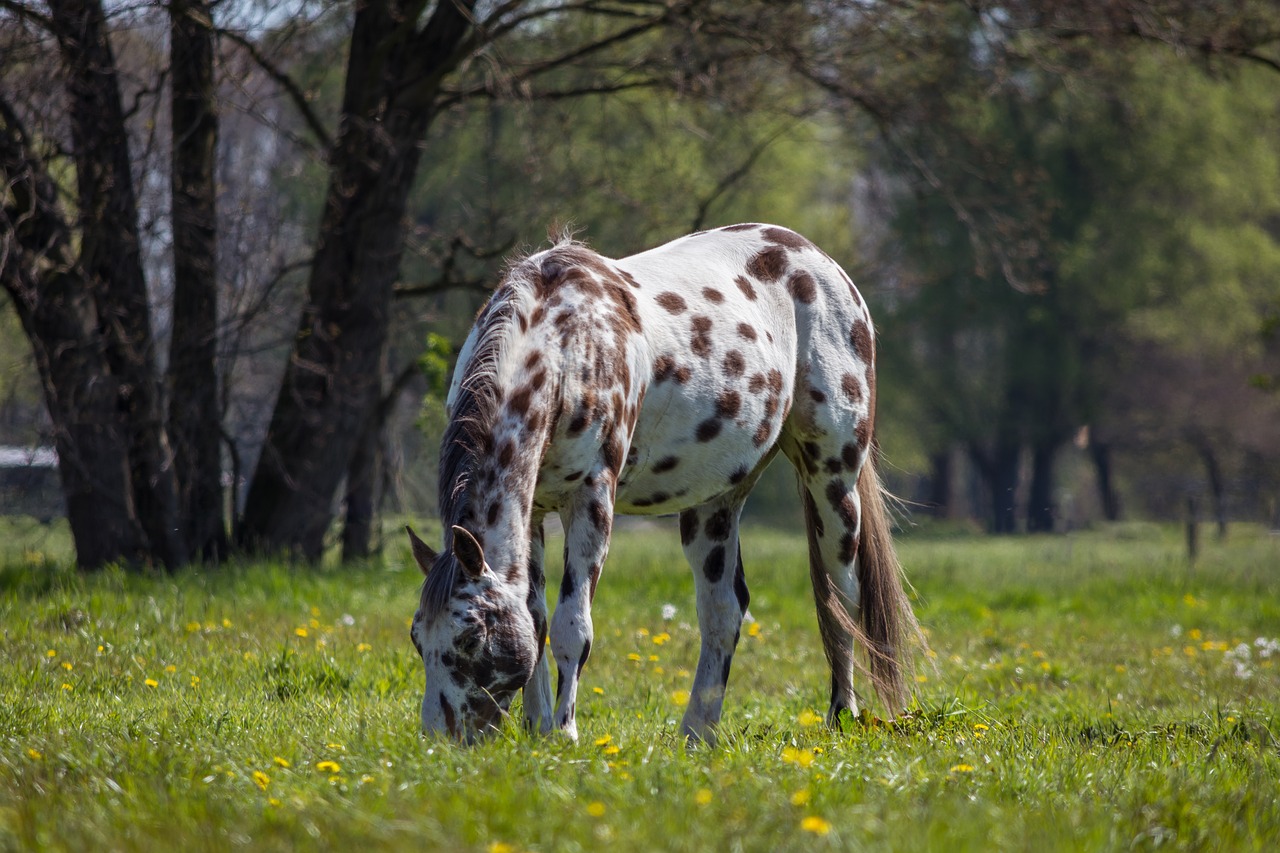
(1085, 692)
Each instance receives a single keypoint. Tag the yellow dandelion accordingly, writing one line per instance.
(273, 802)
(335, 746)
(801, 757)
(801, 797)
(659, 639)
(100, 649)
(599, 691)
(680, 697)
(1121, 668)
(192, 627)
(35, 754)
(1037, 654)
(601, 741)
(66, 686)
(922, 678)
(314, 623)
(226, 623)
(634, 656)
(262, 780)
(643, 632)
(753, 630)
(980, 727)
(653, 658)
(595, 809)
(195, 681)
(301, 632)
(328, 766)
(363, 647)
(1194, 634)
(612, 749)
(657, 670)
(816, 825)
(281, 762)
(315, 611)
(170, 668)
(809, 718)
(502, 847)
(1189, 651)
(151, 682)
(66, 664)
(1045, 665)
(703, 797)
(52, 653)
(366, 779)
(962, 768)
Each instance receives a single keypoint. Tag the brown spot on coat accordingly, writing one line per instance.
(863, 345)
(713, 566)
(728, 403)
(849, 453)
(762, 433)
(600, 518)
(673, 302)
(852, 387)
(785, 237)
(769, 264)
(745, 286)
(700, 343)
(739, 475)
(665, 464)
(756, 383)
(708, 429)
(747, 331)
(712, 295)
(719, 525)
(518, 405)
(663, 368)
(688, 526)
(734, 364)
(801, 286)
(745, 226)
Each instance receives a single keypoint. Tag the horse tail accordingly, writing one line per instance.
(888, 631)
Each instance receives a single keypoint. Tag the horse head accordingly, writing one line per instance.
(476, 639)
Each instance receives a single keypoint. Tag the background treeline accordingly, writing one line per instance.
(240, 240)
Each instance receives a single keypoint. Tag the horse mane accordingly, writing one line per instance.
(468, 437)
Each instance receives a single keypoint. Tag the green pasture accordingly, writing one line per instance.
(1089, 691)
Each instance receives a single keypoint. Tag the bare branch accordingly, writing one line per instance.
(290, 86)
(733, 176)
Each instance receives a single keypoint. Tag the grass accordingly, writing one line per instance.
(1086, 692)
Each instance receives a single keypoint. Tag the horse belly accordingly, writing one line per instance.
(693, 443)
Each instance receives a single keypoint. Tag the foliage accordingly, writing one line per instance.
(1090, 692)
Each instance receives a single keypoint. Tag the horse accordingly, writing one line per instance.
(660, 383)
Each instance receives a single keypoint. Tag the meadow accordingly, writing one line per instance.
(1090, 691)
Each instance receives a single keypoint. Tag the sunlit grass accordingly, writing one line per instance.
(1090, 691)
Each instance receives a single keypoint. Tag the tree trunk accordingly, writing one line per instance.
(1040, 509)
(1100, 453)
(194, 412)
(110, 260)
(999, 471)
(332, 380)
(940, 484)
(364, 477)
(1213, 473)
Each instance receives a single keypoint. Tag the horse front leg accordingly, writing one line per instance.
(587, 526)
(537, 693)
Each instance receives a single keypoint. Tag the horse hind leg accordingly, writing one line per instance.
(832, 526)
(709, 534)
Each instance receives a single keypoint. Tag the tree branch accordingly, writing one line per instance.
(290, 86)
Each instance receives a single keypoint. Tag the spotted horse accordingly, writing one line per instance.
(660, 383)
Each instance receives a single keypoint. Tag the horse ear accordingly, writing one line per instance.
(468, 551)
(421, 551)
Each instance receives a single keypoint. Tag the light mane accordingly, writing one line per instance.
(468, 437)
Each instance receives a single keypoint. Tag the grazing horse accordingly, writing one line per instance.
(660, 383)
